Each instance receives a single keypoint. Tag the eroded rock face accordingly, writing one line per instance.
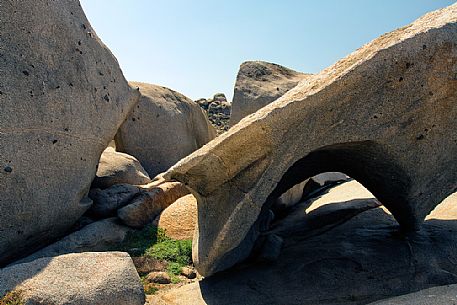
(162, 128)
(92, 278)
(258, 84)
(384, 115)
(62, 98)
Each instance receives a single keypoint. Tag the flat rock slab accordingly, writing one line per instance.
(343, 250)
(91, 278)
(101, 235)
(441, 295)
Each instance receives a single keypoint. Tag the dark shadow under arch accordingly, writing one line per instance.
(367, 162)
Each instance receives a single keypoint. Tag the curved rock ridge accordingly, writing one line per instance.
(162, 128)
(259, 83)
(384, 115)
(62, 99)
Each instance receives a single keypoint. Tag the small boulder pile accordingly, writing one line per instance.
(218, 110)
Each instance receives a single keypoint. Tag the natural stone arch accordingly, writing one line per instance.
(396, 94)
(367, 162)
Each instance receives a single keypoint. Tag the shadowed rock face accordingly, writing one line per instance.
(384, 115)
(62, 98)
(162, 128)
(259, 83)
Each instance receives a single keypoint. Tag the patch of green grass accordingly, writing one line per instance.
(137, 242)
(174, 268)
(154, 243)
(172, 251)
(12, 298)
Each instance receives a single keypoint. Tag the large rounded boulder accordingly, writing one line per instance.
(259, 83)
(162, 128)
(62, 98)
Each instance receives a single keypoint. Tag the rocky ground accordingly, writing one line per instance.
(341, 248)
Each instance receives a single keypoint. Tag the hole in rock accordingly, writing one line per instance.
(367, 162)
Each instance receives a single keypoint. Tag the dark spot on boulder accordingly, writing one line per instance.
(408, 65)
(66, 129)
(70, 84)
(106, 97)
(420, 137)
(277, 89)
(430, 93)
(54, 141)
(424, 47)
(84, 26)
(133, 119)
(100, 73)
(25, 72)
(79, 43)
(400, 79)
(8, 169)
(58, 87)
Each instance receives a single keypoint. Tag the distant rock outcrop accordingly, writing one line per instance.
(218, 110)
(162, 128)
(258, 84)
(384, 115)
(62, 99)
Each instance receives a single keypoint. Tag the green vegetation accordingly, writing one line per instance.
(172, 251)
(150, 289)
(153, 242)
(12, 298)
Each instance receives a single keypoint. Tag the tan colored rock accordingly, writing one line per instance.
(92, 278)
(162, 128)
(145, 264)
(384, 115)
(117, 168)
(158, 278)
(63, 97)
(149, 204)
(188, 273)
(180, 218)
(259, 83)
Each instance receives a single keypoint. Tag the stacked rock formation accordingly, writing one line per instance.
(218, 110)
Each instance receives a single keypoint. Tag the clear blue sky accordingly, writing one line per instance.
(196, 46)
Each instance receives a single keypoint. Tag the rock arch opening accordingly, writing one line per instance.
(367, 162)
